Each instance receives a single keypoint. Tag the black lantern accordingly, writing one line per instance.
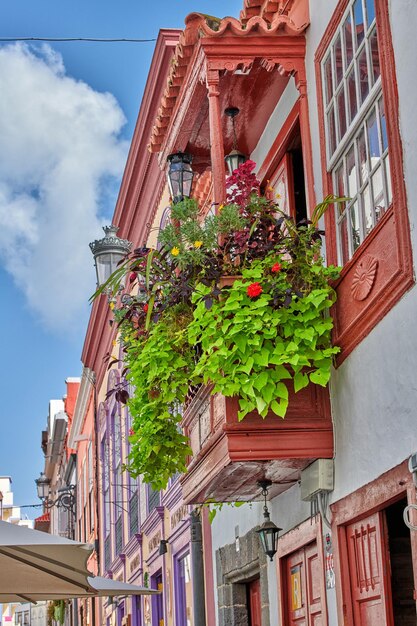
(163, 547)
(108, 252)
(180, 176)
(268, 531)
(234, 158)
(42, 486)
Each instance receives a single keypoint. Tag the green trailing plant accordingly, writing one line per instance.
(159, 368)
(254, 339)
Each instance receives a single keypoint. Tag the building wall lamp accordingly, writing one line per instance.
(235, 157)
(163, 547)
(180, 176)
(65, 500)
(268, 532)
(108, 252)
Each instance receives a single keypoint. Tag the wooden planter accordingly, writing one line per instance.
(229, 456)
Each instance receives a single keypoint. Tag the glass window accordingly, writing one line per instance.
(356, 133)
(183, 591)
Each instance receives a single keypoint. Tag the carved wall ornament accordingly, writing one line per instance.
(364, 277)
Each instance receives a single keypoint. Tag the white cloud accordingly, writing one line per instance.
(60, 143)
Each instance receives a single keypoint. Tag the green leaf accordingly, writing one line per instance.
(261, 380)
(262, 358)
(300, 381)
(260, 404)
(247, 367)
(279, 408)
(320, 377)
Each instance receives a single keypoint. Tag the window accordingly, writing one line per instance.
(153, 499)
(362, 159)
(183, 590)
(356, 129)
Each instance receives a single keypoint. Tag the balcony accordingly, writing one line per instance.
(229, 456)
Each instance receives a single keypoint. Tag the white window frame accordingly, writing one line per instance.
(361, 204)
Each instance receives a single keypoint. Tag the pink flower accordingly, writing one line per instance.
(131, 432)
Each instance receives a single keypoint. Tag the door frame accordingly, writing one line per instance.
(299, 537)
(377, 495)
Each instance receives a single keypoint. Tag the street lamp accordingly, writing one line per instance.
(42, 486)
(234, 158)
(65, 499)
(180, 176)
(108, 252)
(268, 531)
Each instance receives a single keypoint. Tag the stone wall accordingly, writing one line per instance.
(237, 564)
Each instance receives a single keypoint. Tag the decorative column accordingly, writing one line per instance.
(216, 136)
(301, 84)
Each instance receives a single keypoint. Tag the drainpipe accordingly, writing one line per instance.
(197, 565)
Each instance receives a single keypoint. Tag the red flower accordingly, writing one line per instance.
(276, 268)
(131, 432)
(254, 290)
(146, 307)
(132, 277)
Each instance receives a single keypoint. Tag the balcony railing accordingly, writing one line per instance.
(229, 456)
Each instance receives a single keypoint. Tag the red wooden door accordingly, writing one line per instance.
(304, 583)
(369, 571)
(255, 603)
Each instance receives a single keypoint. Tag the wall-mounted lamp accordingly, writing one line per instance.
(268, 531)
(180, 176)
(163, 547)
(234, 158)
(65, 500)
(108, 252)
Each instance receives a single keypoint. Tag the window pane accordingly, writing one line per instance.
(338, 60)
(388, 179)
(351, 173)
(383, 122)
(363, 160)
(340, 185)
(343, 241)
(355, 228)
(331, 130)
(376, 70)
(328, 78)
(341, 113)
(351, 85)
(373, 140)
(370, 11)
(347, 28)
(378, 193)
(367, 210)
(359, 25)
(363, 74)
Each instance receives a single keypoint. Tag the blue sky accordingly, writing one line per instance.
(64, 146)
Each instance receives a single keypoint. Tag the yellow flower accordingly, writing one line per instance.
(221, 207)
(175, 251)
(270, 188)
(112, 305)
(278, 195)
(114, 343)
(198, 244)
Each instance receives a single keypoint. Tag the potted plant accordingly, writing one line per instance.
(181, 323)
